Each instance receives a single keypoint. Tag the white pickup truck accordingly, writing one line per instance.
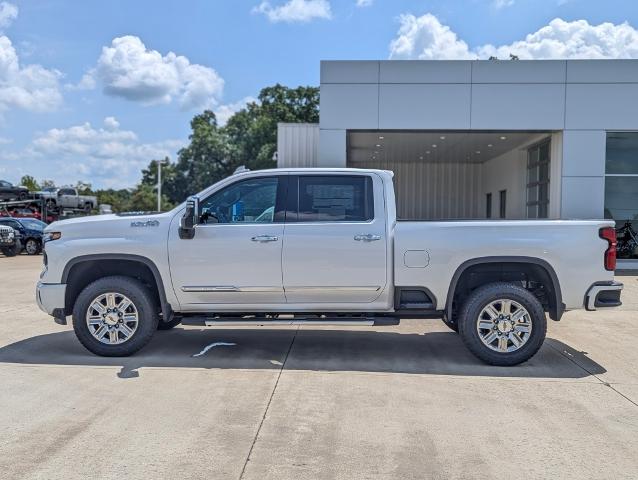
(317, 246)
(67, 197)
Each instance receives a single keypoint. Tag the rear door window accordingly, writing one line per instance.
(335, 198)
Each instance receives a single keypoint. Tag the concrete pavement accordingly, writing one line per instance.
(334, 403)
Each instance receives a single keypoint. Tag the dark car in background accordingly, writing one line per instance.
(30, 230)
(8, 191)
(10, 244)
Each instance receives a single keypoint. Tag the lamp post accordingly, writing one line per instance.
(159, 183)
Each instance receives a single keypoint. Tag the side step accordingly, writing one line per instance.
(319, 321)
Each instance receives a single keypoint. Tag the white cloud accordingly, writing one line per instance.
(106, 156)
(295, 11)
(8, 13)
(425, 37)
(130, 70)
(498, 4)
(364, 3)
(87, 82)
(224, 112)
(29, 87)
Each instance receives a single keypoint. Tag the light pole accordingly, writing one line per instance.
(159, 183)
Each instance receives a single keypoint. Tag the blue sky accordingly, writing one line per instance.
(90, 91)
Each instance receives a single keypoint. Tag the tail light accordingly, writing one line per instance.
(609, 234)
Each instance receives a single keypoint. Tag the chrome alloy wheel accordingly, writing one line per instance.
(112, 318)
(504, 325)
(31, 247)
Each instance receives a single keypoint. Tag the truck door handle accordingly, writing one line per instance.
(264, 238)
(367, 238)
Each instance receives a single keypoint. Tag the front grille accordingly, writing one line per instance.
(5, 236)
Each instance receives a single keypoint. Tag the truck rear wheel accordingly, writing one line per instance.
(115, 316)
(502, 324)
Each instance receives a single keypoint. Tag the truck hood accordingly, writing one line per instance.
(112, 225)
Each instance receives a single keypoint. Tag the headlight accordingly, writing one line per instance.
(50, 236)
(11, 235)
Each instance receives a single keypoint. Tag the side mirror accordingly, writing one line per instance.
(189, 219)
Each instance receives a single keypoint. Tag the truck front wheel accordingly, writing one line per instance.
(114, 316)
(502, 324)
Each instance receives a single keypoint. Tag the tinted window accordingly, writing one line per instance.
(10, 223)
(503, 203)
(248, 201)
(488, 205)
(67, 191)
(335, 198)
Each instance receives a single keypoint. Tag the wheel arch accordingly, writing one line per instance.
(87, 268)
(555, 300)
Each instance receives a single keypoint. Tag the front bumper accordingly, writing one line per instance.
(603, 295)
(50, 298)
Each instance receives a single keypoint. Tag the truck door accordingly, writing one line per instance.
(235, 255)
(335, 239)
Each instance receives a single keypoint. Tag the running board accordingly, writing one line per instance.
(344, 321)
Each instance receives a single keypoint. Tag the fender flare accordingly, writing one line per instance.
(167, 311)
(556, 307)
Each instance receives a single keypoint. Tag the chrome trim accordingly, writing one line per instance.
(227, 288)
(593, 292)
(266, 322)
(339, 289)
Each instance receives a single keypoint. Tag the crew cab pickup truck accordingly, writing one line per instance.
(67, 198)
(317, 246)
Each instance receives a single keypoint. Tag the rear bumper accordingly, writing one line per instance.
(50, 297)
(603, 295)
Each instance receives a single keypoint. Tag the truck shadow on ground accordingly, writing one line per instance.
(435, 353)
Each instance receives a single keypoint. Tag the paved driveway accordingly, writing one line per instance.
(300, 403)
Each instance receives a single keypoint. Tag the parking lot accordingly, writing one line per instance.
(314, 402)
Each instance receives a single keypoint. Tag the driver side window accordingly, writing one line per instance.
(248, 201)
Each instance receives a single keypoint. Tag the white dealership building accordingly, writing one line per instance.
(482, 139)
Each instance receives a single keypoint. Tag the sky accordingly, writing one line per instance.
(93, 90)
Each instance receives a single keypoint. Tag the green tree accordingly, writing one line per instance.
(169, 176)
(208, 158)
(30, 182)
(83, 188)
(120, 200)
(144, 199)
(253, 130)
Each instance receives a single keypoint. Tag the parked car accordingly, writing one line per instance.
(317, 246)
(57, 198)
(10, 244)
(8, 191)
(25, 213)
(105, 209)
(30, 230)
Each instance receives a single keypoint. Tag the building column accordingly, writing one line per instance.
(333, 150)
(583, 174)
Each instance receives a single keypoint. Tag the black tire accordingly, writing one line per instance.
(51, 205)
(12, 251)
(143, 302)
(88, 207)
(492, 292)
(176, 320)
(8, 252)
(22, 195)
(32, 247)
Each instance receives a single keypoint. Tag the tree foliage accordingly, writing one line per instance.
(30, 182)
(249, 138)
